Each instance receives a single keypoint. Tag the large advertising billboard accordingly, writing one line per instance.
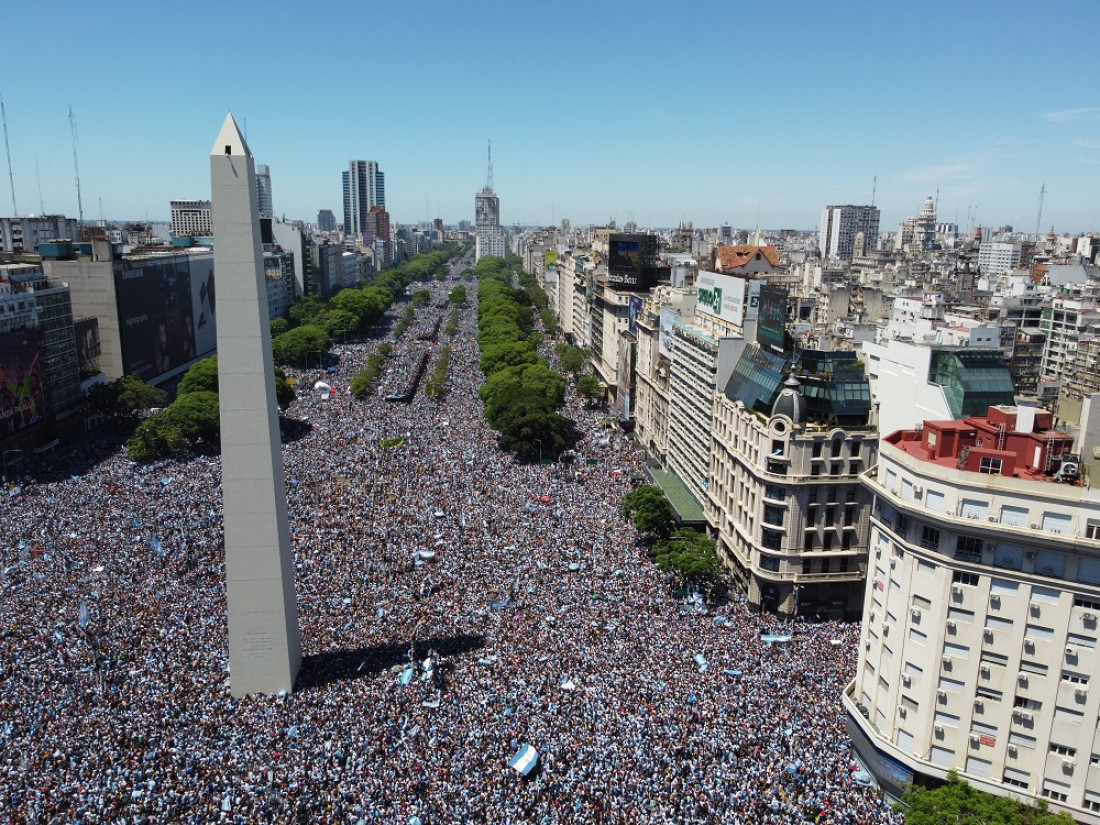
(722, 296)
(636, 305)
(666, 341)
(632, 261)
(625, 374)
(166, 312)
(22, 395)
(88, 347)
(771, 329)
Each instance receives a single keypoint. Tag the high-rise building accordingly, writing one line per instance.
(190, 217)
(263, 190)
(839, 227)
(979, 638)
(24, 234)
(364, 187)
(326, 221)
(489, 239)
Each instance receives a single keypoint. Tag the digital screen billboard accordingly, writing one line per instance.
(22, 394)
(166, 312)
(772, 322)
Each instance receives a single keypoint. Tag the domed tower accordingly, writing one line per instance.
(790, 402)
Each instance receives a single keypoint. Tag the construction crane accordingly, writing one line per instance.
(1039, 218)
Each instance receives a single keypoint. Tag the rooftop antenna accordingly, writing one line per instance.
(936, 205)
(101, 210)
(7, 145)
(874, 189)
(41, 203)
(1039, 219)
(76, 166)
(489, 180)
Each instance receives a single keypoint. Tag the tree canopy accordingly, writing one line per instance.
(300, 346)
(570, 358)
(126, 398)
(649, 509)
(957, 803)
(690, 556)
(590, 388)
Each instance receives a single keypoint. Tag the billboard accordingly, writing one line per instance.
(625, 373)
(22, 395)
(88, 347)
(632, 261)
(752, 305)
(549, 258)
(636, 304)
(666, 341)
(771, 329)
(722, 296)
(166, 312)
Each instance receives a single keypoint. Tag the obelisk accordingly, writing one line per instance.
(264, 646)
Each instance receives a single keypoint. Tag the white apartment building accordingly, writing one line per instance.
(190, 217)
(997, 258)
(24, 234)
(980, 636)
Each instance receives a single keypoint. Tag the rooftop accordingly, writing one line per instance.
(732, 257)
(1012, 441)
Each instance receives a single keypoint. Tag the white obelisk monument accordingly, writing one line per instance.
(264, 647)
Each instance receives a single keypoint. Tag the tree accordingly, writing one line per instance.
(279, 326)
(549, 320)
(339, 323)
(571, 359)
(650, 511)
(532, 432)
(191, 418)
(458, 295)
(690, 555)
(299, 346)
(496, 357)
(590, 388)
(284, 392)
(305, 309)
(532, 382)
(126, 398)
(201, 376)
(956, 803)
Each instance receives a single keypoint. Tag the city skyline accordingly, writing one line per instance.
(611, 119)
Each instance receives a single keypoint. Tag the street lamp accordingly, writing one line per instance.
(539, 440)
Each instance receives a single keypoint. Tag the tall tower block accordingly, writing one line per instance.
(264, 646)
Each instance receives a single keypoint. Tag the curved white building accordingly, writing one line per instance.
(980, 629)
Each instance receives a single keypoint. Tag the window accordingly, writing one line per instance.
(1027, 666)
(1021, 779)
(989, 693)
(1080, 640)
(901, 525)
(989, 465)
(1063, 750)
(1057, 523)
(830, 517)
(1008, 556)
(934, 500)
(775, 491)
(1021, 740)
(969, 548)
(1075, 678)
(1092, 530)
(929, 538)
(811, 495)
(921, 602)
(816, 449)
(916, 636)
(1027, 704)
(831, 495)
(959, 615)
(808, 542)
(970, 579)
(997, 623)
(771, 540)
(1050, 563)
(974, 509)
(827, 541)
(850, 495)
(773, 514)
(991, 658)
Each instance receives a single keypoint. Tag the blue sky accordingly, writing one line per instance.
(709, 112)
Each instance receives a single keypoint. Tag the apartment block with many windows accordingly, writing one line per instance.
(980, 634)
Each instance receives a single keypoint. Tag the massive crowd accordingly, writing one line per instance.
(548, 626)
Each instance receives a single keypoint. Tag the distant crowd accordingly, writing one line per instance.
(543, 620)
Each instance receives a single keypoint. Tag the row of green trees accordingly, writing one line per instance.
(362, 380)
(521, 393)
(433, 388)
(305, 336)
(192, 419)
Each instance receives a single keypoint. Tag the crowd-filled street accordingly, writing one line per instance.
(543, 619)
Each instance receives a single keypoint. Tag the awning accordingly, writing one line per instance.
(525, 760)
